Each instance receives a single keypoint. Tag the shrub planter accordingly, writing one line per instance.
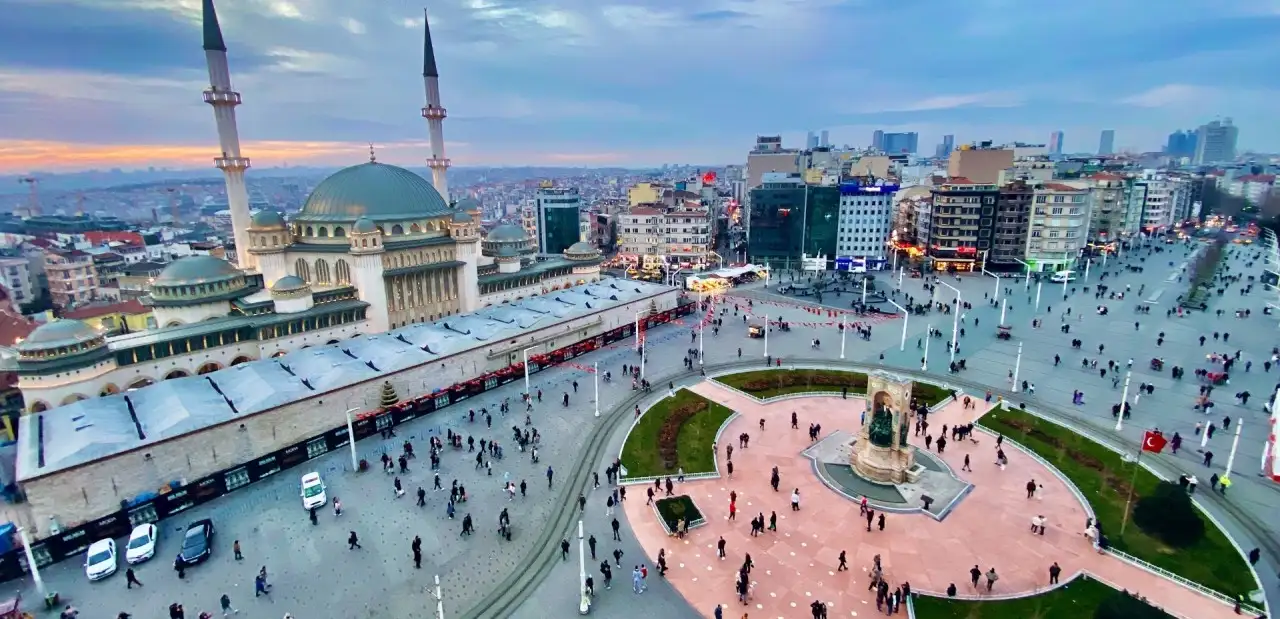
(672, 509)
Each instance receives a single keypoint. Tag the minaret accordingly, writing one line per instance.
(435, 114)
(224, 101)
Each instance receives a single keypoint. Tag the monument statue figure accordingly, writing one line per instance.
(881, 452)
(881, 431)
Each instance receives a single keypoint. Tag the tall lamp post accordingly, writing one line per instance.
(843, 327)
(955, 322)
(986, 272)
(585, 606)
(766, 335)
(31, 563)
(1017, 367)
(928, 335)
(525, 353)
(1004, 303)
(1027, 284)
(702, 327)
(905, 319)
(1124, 401)
(595, 378)
(351, 439)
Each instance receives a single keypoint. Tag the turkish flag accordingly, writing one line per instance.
(1153, 441)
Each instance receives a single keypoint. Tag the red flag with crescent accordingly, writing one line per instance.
(1153, 441)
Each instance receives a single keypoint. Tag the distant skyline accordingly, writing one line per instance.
(116, 83)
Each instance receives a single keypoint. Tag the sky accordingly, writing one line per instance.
(116, 83)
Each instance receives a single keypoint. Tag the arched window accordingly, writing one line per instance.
(323, 232)
(343, 272)
(364, 242)
(397, 230)
(275, 240)
(322, 272)
(310, 231)
(415, 228)
(340, 232)
(303, 270)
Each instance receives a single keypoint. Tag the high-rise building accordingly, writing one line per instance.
(1216, 142)
(790, 219)
(877, 140)
(1013, 216)
(1055, 142)
(1157, 201)
(1107, 142)
(900, 143)
(962, 223)
(1107, 222)
(944, 149)
(865, 219)
(557, 211)
(826, 138)
(811, 140)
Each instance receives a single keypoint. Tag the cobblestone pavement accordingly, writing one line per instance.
(315, 576)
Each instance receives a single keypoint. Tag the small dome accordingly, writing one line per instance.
(364, 225)
(467, 205)
(375, 190)
(196, 269)
(58, 333)
(508, 251)
(462, 217)
(267, 219)
(507, 233)
(582, 247)
(288, 283)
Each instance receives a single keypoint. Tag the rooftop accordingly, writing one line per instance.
(89, 430)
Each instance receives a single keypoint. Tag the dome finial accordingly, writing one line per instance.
(373, 158)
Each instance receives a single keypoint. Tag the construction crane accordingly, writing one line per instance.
(34, 200)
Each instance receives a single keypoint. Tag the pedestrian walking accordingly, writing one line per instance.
(235, 548)
(353, 542)
(992, 577)
(225, 603)
(975, 574)
(616, 525)
(131, 579)
(1054, 572)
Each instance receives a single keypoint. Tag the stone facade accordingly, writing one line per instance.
(881, 453)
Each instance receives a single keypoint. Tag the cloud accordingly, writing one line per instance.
(1168, 95)
(634, 81)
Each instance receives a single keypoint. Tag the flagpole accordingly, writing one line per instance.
(1137, 463)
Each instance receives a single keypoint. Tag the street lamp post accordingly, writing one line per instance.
(864, 288)
(1087, 262)
(1004, 304)
(525, 353)
(585, 606)
(900, 272)
(1027, 284)
(439, 596)
(1235, 443)
(1017, 367)
(351, 439)
(31, 563)
(928, 335)
(986, 272)
(955, 321)
(595, 378)
(1038, 286)
(1124, 401)
(905, 319)
(702, 327)
(638, 329)
(766, 335)
(843, 328)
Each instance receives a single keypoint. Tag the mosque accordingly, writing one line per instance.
(375, 247)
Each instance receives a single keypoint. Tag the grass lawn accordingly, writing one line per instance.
(1104, 479)
(1077, 600)
(642, 453)
(770, 383)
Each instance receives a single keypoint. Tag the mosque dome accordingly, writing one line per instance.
(467, 205)
(364, 225)
(582, 250)
(267, 220)
(462, 217)
(506, 233)
(289, 283)
(374, 190)
(195, 270)
(59, 334)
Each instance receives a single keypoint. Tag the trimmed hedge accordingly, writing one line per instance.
(675, 433)
(677, 508)
(766, 384)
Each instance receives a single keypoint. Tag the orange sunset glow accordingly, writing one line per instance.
(21, 156)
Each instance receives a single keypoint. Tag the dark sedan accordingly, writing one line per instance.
(197, 544)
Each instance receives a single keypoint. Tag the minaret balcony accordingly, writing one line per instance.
(434, 113)
(221, 97)
(231, 163)
(438, 162)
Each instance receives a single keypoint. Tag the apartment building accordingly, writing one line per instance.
(980, 165)
(769, 156)
(639, 231)
(72, 277)
(1254, 188)
(962, 222)
(1108, 222)
(1013, 216)
(682, 234)
(865, 219)
(1059, 227)
(15, 278)
(1158, 201)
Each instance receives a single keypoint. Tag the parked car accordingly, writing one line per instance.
(100, 559)
(313, 491)
(197, 543)
(142, 544)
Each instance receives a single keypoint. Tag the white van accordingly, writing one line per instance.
(1063, 276)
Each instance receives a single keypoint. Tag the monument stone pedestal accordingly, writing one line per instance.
(881, 453)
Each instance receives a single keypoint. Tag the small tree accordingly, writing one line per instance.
(389, 397)
(1123, 605)
(1167, 513)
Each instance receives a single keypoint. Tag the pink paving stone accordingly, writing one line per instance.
(796, 565)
